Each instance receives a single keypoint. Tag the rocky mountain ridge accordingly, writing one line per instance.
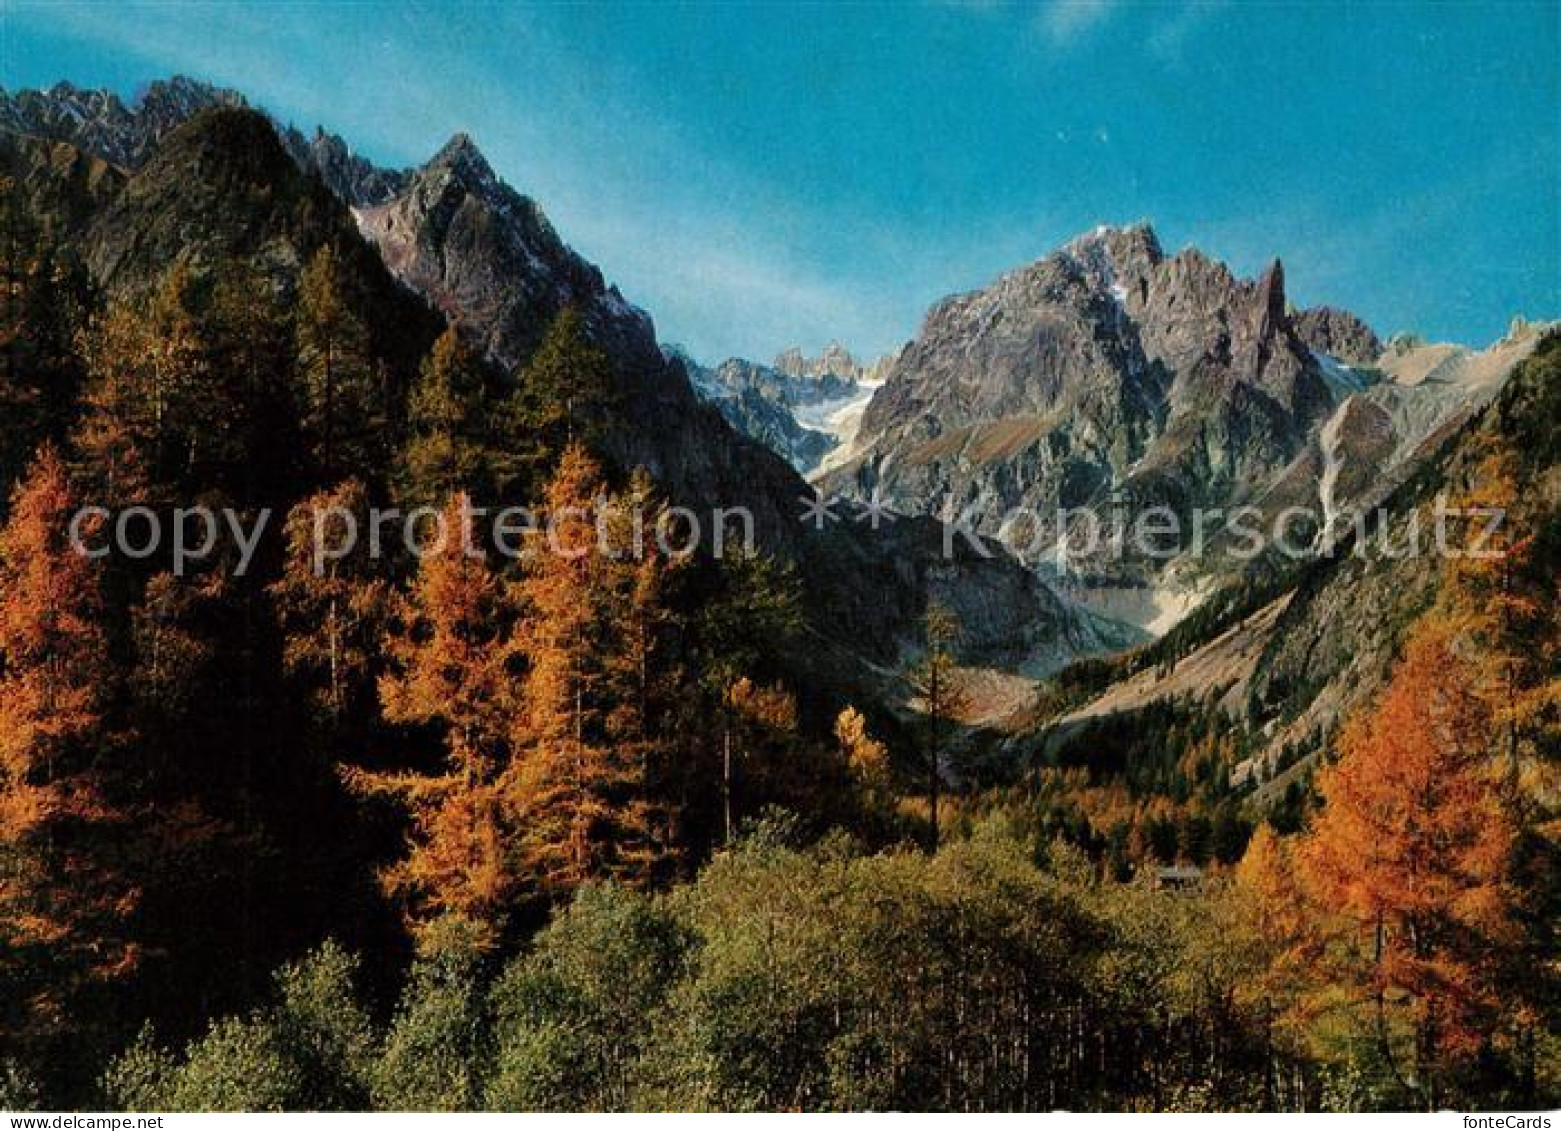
(1108, 363)
(834, 363)
(485, 258)
(1339, 334)
(806, 409)
(99, 123)
(752, 404)
(1289, 664)
(1109, 374)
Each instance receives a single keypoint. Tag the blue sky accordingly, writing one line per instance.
(767, 174)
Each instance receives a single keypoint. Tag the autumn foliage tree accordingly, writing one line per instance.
(58, 893)
(1276, 925)
(453, 659)
(645, 672)
(762, 721)
(147, 369)
(755, 610)
(332, 603)
(343, 408)
(582, 793)
(560, 699)
(1408, 863)
(1503, 591)
(864, 755)
(559, 399)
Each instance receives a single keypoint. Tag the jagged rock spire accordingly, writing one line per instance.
(462, 157)
(1272, 290)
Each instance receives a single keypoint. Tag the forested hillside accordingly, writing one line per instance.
(460, 829)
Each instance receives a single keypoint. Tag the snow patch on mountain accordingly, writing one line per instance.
(842, 419)
(1343, 380)
(1327, 482)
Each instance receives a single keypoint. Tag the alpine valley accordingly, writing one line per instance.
(605, 819)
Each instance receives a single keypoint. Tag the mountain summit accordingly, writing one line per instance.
(461, 156)
(487, 259)
(1104, 370)
(98, 122)
(1108, 372)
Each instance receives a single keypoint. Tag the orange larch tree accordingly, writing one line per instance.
(58, 891)
(581, 787)
(147, 369)
(865, 756)
(1280, 926)
(1408, 862)
(1505, 593)
(453, 658)
(332, 603)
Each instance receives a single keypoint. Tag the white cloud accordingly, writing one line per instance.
(1067, 21)
(1169, 39)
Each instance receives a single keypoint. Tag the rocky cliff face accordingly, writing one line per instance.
(1339, 334)
(812, 384)
(753, 399)
(1291, 660)
(1103, 362)
(487, 257)
(834, 363)
(353, 179)
(1109, 375)
(1326, 646)
(791, 390)
(63, 187)
(99, 123)
(808, 412)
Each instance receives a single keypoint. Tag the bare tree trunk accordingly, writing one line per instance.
(330, 411)
(934, 707)
(726, 779)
